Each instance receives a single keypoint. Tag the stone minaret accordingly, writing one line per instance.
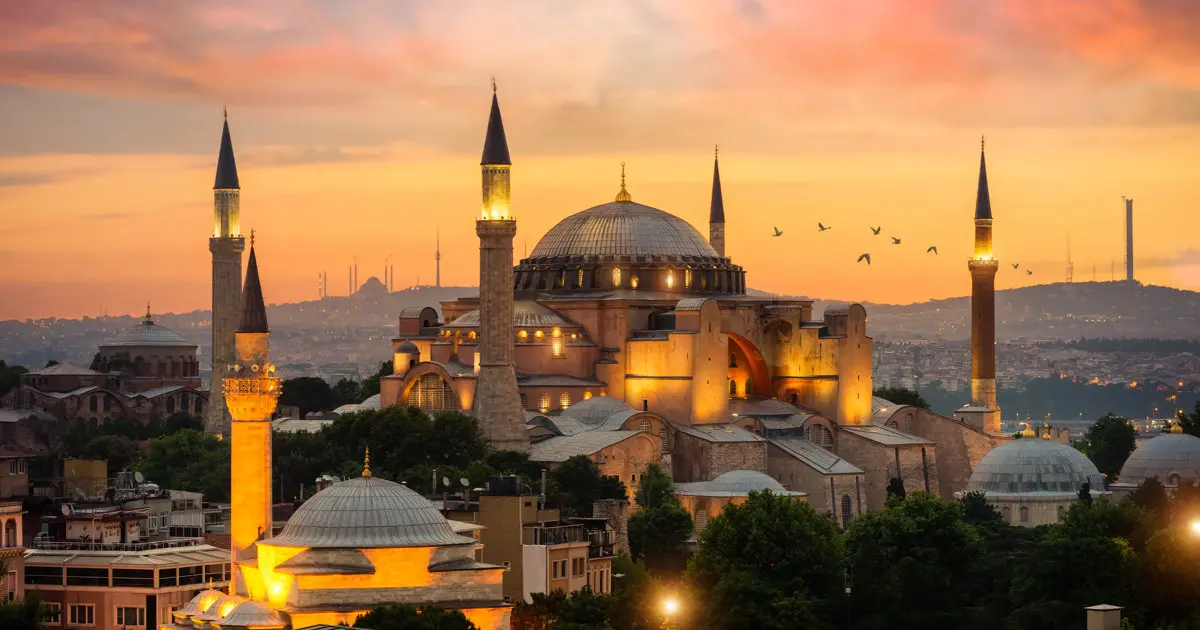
(983, 411)
(251, 392)
(716, 212)
(226, 245)
(497, 402)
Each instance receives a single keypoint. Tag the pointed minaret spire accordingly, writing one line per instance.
(227, 177)
(716, 209)
(254, 311)
(495, 145)
(623, 195)
(983, 200)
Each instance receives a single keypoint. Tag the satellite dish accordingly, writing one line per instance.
(66, 510)
(139, 477)
(464, 482)
(446, 481)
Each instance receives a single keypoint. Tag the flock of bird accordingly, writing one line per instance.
(932, 249)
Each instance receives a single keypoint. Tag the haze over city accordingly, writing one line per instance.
(357, 130)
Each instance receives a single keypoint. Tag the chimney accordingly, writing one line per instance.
(1104, 617)
(1129, 240)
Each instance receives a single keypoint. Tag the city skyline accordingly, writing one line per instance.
(357, 135)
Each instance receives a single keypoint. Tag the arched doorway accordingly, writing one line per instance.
(747, 367)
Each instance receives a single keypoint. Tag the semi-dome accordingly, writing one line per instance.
(624, 228)
(735, 483)
(1171, 457)
(367, 512)
(1032, 465)
(148, 333)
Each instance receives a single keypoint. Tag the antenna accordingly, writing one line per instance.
(1070, 265)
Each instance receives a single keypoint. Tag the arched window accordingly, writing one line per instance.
(171, 404)
(1061, 512)
(587, 395)
(523, 335)
(795, 398)
(687, 278)
(820, 435)
(644, 425)
(1006, 512)
(93, 403)
(431, 393)
(1024, 514)
(579, 278)
(10, 533)
(1173, 480)
(670, 278)
(845, 511)
(633, 281)
(544, 403)
(732, 360)
(749, 387)
(564, 400)
(562, 279)
(732, 387)
(701, 519)
(184, 401)
(199, 404)
(616, 276)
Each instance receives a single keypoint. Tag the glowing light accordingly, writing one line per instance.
(670, 279)
(539, 334)
(1196, 527)
(670, 606)
(587, 395)
(616, 276)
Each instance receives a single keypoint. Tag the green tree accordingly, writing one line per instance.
(976, 509)
(309, 393)
(405, 617)
(916, 561)
(22, 614)
(1108, 444)
(658, 532)
(370, 386)
(189, 460)
(10, 376)
(902, 396)
(769, 563)
(577, 483)
(655, 487)
(1152, 497)
(895, 488)
(346, 392)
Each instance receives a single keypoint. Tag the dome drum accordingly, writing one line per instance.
(676, 277)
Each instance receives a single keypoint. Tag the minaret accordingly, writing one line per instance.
(226, 245)
(497, 402)
(716, 210)
(251, 392)
(984, 413)
(437, 249)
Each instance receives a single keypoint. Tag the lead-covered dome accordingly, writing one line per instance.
(624, 228)
(1171, 457)
(1033, 465)
(367, 512)
(148, 333)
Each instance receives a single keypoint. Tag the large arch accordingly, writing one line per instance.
(418, 381)
(755, 366)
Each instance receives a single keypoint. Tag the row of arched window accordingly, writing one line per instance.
(731, 280)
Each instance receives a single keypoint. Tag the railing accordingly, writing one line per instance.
(558, 535)
(92, 545)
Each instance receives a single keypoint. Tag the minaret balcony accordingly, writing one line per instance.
(983, 262)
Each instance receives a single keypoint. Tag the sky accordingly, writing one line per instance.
(358, 127)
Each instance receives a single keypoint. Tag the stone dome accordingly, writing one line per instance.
(1032, 465)
(148, 333)
(735, 483)
(250, 615)
(367, 512)
(624, 228)
(596, 409)
(1171, 457)
(407, 347)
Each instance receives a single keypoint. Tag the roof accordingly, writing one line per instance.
(64, 369)
(159, 391)
(690, 304)
(196, 554)
(882, 410)
(495, 145)
(296, 425)
(817, 458)
(1034, 466)
(250, 614)
(624, 228)
(983, 200)
(888, 436)
(564, 447)
(556, 380)
(596, 409)
(366, 512)
(526, 313)
(78, 391)
(759, 407)
(718, 432)
(1162, 456)
(254, 311)
(227, 176)
(716, 209)
(735, 483)
(148, 333)
(407, 347)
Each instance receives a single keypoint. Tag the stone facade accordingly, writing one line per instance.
(697, 459)
(497, 402)
(226, 300)
(916, 465)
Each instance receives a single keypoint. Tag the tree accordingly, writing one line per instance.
(658, 532)
(895, 488)
(1152, 497)
(189, 460)
(771, 562)
(23, 614)
(10, 376)
(1108, 444)
(370, 387)
(346, 392)
(977, 511)
(406, 617)
(309, 393)
(578, 483)
(655, 487)
(902, 396)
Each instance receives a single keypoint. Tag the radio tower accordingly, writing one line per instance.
(437, 258)
(1070, 265)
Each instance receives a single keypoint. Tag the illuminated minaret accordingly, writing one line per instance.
(983, 412)
(251, 392)
(716, 212)
(226, 245)
(497, 402)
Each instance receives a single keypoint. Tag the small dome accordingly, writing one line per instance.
(735, 483)
(408, 347)
(219, 608)
(624, 228)
(199, 604)
(367, 512)
(596, 409)
(1031, 465)
(1163, 456)
(250, 615)
(148, 333)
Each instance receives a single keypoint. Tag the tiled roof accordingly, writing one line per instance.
(718, 432)
(564, 447)
(821, 460)
(887, 436)
(64, 369)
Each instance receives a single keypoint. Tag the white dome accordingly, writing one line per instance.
(1163, 456)
(1032, 465)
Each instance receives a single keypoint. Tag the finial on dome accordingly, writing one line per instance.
(716, 151)
(1176, 427)
(1028, 432)
(251, 238)
(624, 194)
(147, 318)
(367, 463)
(493, 85)
(1046, 430)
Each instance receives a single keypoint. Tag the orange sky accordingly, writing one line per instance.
(358, 131)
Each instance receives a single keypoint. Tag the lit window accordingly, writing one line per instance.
(556, 332)
(633, 282)
(701, 519)
(523, 335)
(587, 395)
(538, 334)
(564, 401)
(687, 278)
(471, 335)
(562, 279)
(556, 348)
(670, 278)
(644, 425)
(616, 276)
(579, 277)
(732, 387)
(544, 403)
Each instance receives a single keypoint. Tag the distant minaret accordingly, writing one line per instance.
(716, 210)
(983, 412)
(437, 256)
(497, 401)
(1128, 239)
(1070, 265)
(251, 392)
(226, 245)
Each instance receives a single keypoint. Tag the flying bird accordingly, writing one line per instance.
(822, 228)
(1015, 265)
(933, 249)
(778, 232)
(895, 241)
(1029, 272)
(866, 257)
(875, 230)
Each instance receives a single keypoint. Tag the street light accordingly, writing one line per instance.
(670, 607)
(1196, 527)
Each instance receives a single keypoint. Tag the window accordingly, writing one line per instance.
(579, 566)
(431, 393)
(523, 335)
(87, 577)
(587, 395)
(633, 282)
(43, 575)
(1024, 514)
(579, 278)
(701, 519)
(1061, 512)
(170, 405)
(191, 575)
(136, 578)
(749, 388)
(666, 437)
(81, 615)
(732, 360)
(670, 278)
(687, 278)
(507, 566)
(845, 511)
(564, 400)
(51, 613)
(107, 403)
(130, 616)
(644, 425)
(820, 435)
(93, 404)
(732, 387)
(556, 348)
(544, 403)
(168, 577)
(199, 403)
(1006, 512)
(524, 401)
(616, 276)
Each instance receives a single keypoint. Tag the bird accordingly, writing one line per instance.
(1015, 265)
(932, 248)
(875, 230)
(822, 228)
(895, 241)
(1029, 272)
(778, 232)
(866, 257)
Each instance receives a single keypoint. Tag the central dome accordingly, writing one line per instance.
(623, 228)
(364, 513)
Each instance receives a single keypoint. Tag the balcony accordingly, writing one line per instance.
(46, 544)
(555, 535)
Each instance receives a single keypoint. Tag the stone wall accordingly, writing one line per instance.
(917, 467)
(959, 446)
(695, 459)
